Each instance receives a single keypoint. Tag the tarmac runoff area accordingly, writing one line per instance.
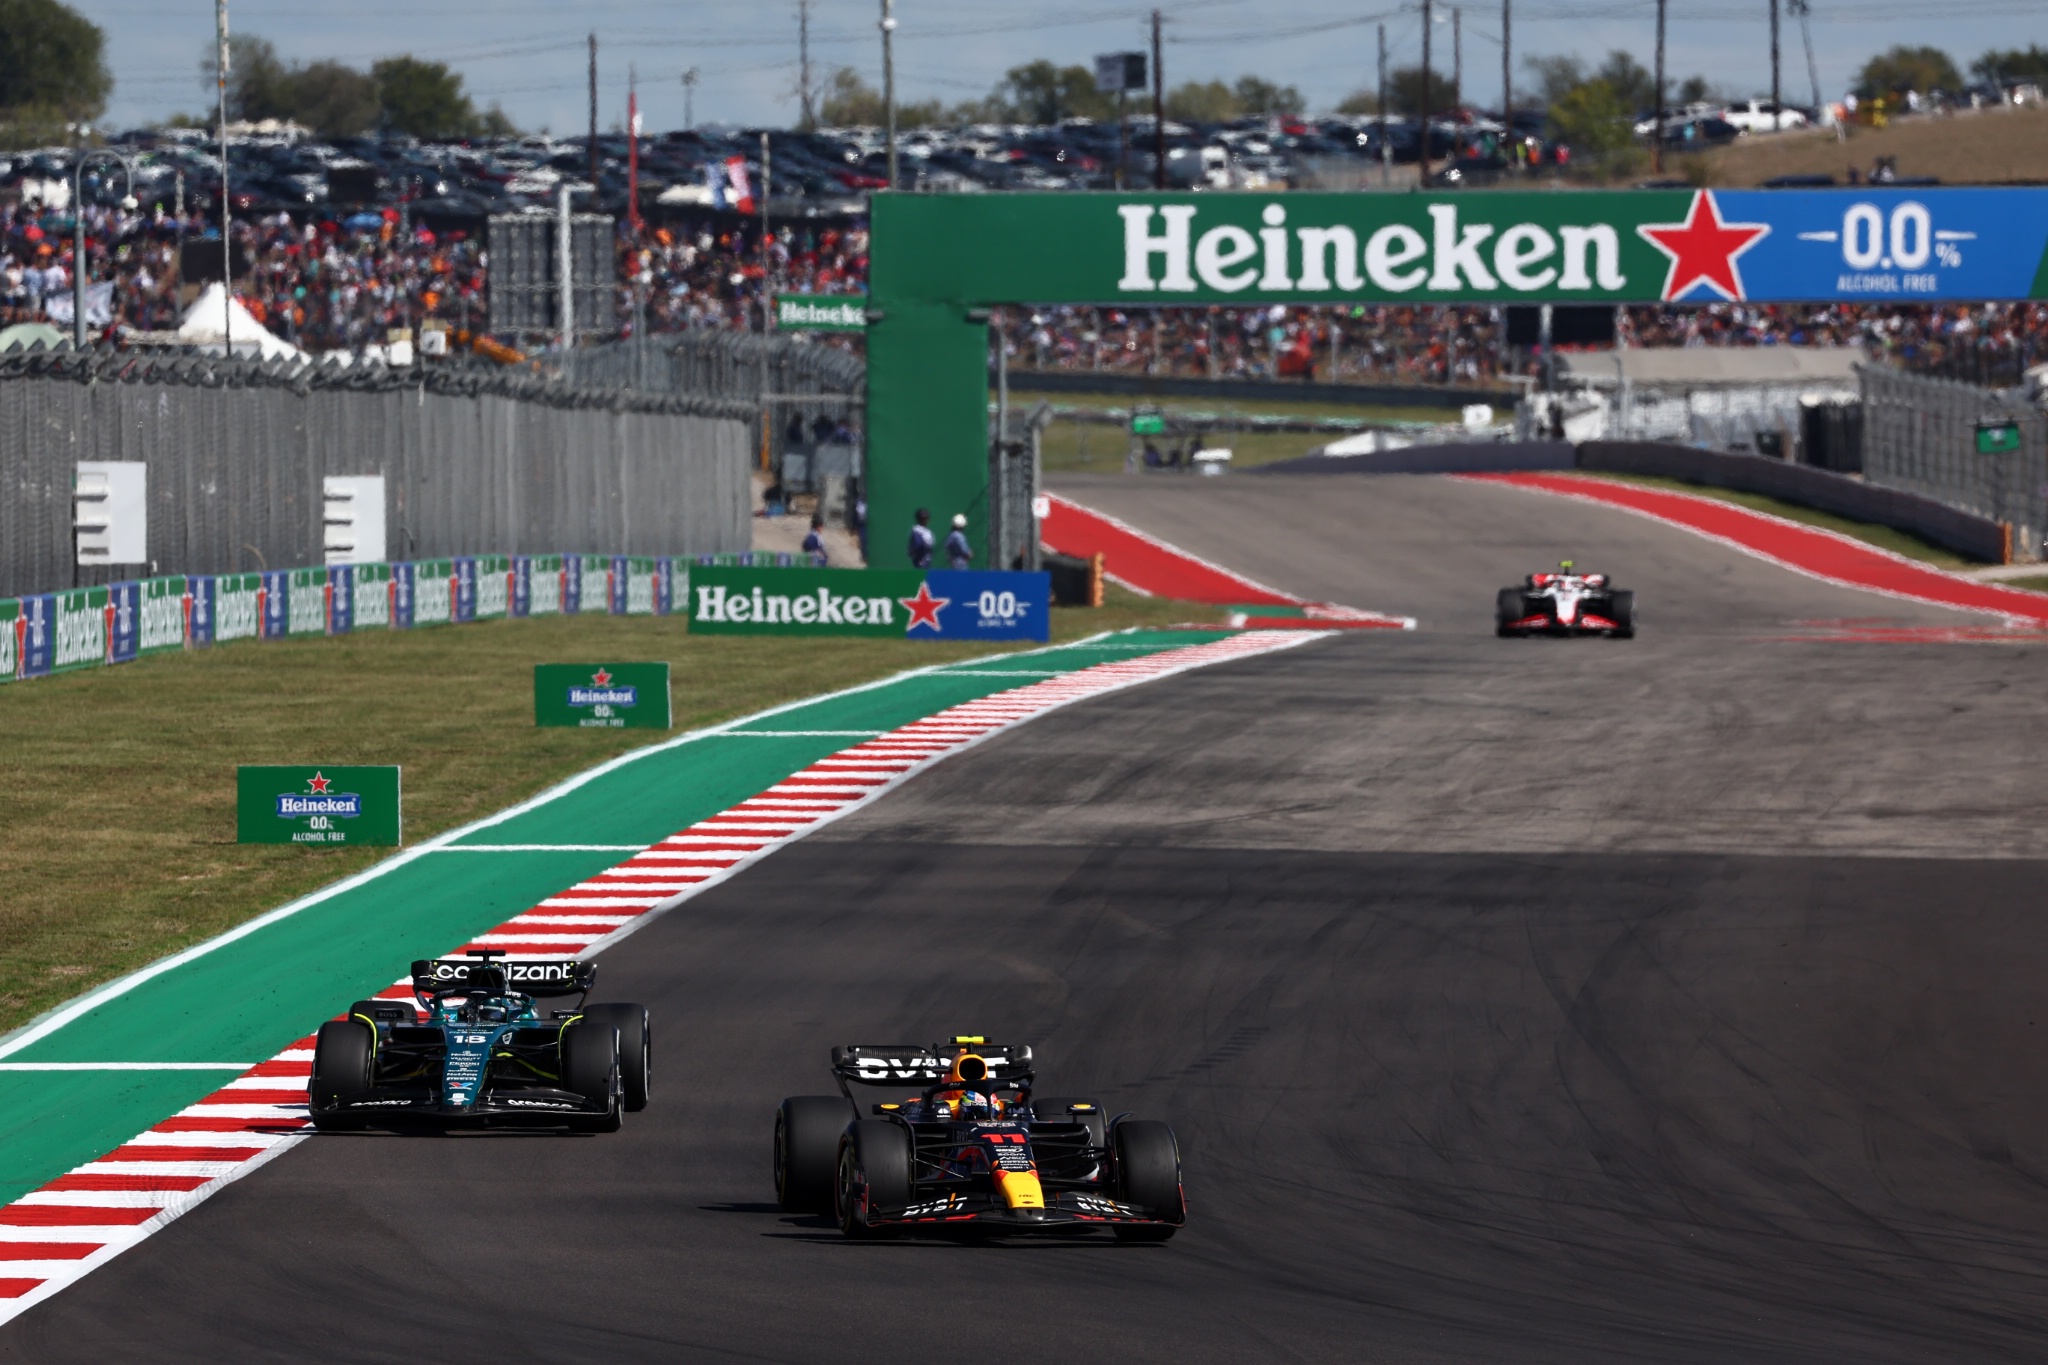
(1672, 999)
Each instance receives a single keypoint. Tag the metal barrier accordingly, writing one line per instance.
(734, 366)
(474, 462)
(1920, 435)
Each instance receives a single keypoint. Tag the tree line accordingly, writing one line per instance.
(333, 99)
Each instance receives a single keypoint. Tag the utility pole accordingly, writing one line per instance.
(1457, 57)
(1507, 69)
(593, 112)
(1777, 119)
(767, 308)
(1804, 10)
(1657, 124)
(633, 146)
(564, 284)
(689, 98)
(889, 80)
(1386, 152)
(1123, 141)
(1422, 151)
(227, 217)
(1158, 110)
(803, 65)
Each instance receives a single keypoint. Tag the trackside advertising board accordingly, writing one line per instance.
(602, 696)
(916, 604)
(320, 807)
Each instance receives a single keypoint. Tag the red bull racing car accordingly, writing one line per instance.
(971, 1150)
(1566, 602)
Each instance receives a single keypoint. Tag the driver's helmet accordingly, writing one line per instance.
(491, 1014)
(961, 1096)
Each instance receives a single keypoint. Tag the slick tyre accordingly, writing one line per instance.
(636, 1048)
(1148, 1175)
(1623, 614)
(874, 1175)
(590, 1067)
(807, 1133)
(1506, 610)
(344, 1053)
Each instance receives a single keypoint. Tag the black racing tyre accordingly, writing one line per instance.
(367, 1009)
(1148, 1175)
(1622, 611)
(807, 1133)
(1507, 609)
(344, 1052)
(874, 1174)
(636, 1048)
(590, 1067)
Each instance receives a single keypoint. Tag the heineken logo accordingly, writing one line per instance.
(1168, 250)
(924, 609)
(601, 692)
(318, 800)
(820, 607)
(821, 313)
(1703, 249)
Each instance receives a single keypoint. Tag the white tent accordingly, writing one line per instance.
(214, 316)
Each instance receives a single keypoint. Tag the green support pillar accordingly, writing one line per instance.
(927, 425)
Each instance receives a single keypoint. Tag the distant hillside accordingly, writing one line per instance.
(1992, 146)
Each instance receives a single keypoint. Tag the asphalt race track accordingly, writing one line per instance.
(1676, 999)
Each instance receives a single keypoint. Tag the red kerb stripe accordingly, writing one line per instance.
(71, 1216)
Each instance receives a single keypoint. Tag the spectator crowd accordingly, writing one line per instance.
(330, 284)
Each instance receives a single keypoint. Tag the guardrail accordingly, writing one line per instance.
(115, 623)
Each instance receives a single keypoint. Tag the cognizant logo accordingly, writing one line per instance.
(1175, 257)
(821, 608)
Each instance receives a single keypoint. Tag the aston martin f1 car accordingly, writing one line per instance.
(483, 1054)
(973, 1150)
(1566, 603)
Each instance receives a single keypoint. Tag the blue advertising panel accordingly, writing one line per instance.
(124, 626)
(341, 598)
(985, 604)
(664, 586)
(401, 596)
(615, 586)
(572, 584)
(522, 585)
(199, 626)
(277, 597)
(37, 625)
(465, 588)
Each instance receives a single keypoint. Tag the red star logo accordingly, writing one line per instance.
(1703, 248)
(318, 785)
(601, 678)
(924, 608)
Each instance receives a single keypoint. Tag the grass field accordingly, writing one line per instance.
(1883, 537)
(1087, 447)
(1963, 149)
(117, 785)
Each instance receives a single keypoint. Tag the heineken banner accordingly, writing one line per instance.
(493, 579)
(1861, 244)
(306, 605)
(821, 312)
(324, 807)
(237, 607)
(124, 622)
(10, 639)
(166, 609)
(917, 604)
(602, 696)
(35, 634)
(433, 592)
(81, 620)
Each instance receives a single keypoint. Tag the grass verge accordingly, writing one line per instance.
(1882, 537)
(117, 785)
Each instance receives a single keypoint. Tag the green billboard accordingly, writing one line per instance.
(748, 601)
(632, 696)
(322, 807)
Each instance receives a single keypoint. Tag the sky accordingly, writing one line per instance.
(530, 56)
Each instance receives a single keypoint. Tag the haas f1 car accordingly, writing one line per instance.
(484, 1054)
(1566, 603)
(972, 1150)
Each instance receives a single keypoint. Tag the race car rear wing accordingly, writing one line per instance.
(551, 977)
(921, 1064)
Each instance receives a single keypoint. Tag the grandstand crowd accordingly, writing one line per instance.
(325, 285)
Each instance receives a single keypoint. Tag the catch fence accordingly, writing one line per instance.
(1921, 435)
(473, 461)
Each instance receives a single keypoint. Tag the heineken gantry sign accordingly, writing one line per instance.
(317, 806)
(821, 312)
(939, 262)
(912, 604)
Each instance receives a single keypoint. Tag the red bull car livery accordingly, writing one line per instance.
(971, 1148)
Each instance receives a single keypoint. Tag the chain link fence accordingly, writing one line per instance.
(474, 461)
(1920, 435)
